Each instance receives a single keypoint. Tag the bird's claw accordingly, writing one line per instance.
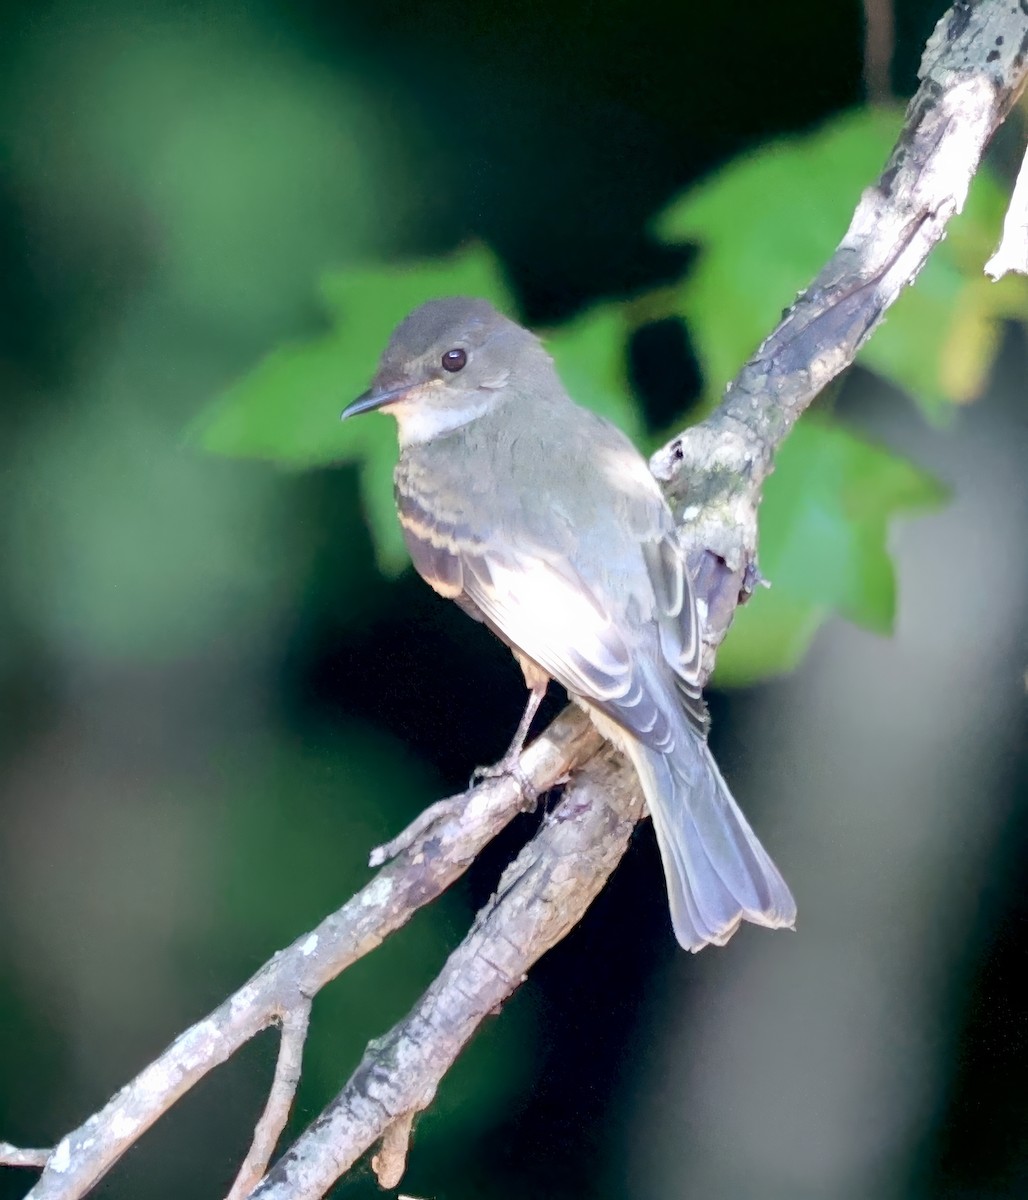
(508, 766)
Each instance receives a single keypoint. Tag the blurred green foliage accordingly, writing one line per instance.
(170, 818)
(287, 409)
(283, 817)
(823, 544)
(765, 224)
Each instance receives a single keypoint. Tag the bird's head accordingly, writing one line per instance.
(448, 362)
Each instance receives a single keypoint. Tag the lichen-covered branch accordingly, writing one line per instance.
(541, 897)
(973, 69)
(280, 1100)
(15, 1156)
(287, 982)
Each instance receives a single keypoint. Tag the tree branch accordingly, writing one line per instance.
(541, 896)
(287, 982)
(280, 1101)
(879, 42)
(1012, 252)
(974, 67)
(13, 1156)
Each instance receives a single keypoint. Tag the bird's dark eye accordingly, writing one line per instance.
(455, 360)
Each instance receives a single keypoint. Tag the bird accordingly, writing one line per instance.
(541, 519)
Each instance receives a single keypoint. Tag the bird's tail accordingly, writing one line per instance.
(718, 874)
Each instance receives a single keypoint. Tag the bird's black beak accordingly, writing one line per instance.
(373, 398)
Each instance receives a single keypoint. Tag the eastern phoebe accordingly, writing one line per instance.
(542, 520)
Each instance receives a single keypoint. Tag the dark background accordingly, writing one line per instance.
(213, 705)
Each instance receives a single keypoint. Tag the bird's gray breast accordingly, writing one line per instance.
(548, 487)
(434, 518)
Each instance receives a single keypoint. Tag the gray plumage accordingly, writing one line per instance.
(541, 519)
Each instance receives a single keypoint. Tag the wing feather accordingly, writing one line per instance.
(678, 622)
(538, 603)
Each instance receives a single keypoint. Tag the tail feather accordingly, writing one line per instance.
(718, 873)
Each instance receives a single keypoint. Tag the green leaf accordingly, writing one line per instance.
(286, 410)
(376, 475)
(824, 526)
(769, 636)
(590, 355)
(371, 302)
(770, 220)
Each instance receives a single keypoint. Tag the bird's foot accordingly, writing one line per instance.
(508, 766)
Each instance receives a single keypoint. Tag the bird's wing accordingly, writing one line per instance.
(550, 613)
(678, 620)
(539, 604)
(641, 508)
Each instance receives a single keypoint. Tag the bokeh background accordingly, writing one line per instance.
(213, 703)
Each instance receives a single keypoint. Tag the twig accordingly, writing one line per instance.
(12, 1156)
(541, 897)
(879, 40)
(1012, 252)
(294, 975)
(280, 1101)
(390, 1162)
